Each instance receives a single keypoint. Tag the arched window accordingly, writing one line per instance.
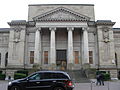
(6, 59)
(0, 58)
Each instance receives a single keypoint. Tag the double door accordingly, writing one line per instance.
(61, 59)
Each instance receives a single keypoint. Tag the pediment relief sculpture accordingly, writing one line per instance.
(61, 14)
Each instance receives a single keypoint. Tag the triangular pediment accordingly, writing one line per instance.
(61, 14)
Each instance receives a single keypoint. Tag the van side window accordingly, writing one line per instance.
(35, 77)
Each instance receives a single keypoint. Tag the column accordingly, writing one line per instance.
(52, 47)
(70, 48)
(37, 46)
(85, 46)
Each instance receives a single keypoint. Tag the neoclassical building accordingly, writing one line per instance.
(60, 37)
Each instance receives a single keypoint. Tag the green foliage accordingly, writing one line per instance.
(23, 72)
(106, 76)
(2, 76)
(99, 72)
(19, 75)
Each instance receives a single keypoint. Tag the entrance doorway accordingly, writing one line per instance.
(61, 59)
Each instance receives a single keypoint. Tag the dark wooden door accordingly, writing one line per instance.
(61, 59)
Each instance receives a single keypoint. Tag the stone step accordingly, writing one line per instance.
(78, 76)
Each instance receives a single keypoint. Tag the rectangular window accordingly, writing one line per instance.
(31, 57)
(91, 57)
(76, 57)
(45, 57)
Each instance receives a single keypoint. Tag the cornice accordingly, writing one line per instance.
(17, 22)
(31, 23)
(61, 4)
(105, 22)
(91, 23)
(2, 30)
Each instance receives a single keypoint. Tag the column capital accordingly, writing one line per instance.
(52, 28)
(70, 28)
(85, 28)
(38, 28)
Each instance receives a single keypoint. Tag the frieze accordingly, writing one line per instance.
(4, 39)
(116, 31)
(116, 36)
(117, 45)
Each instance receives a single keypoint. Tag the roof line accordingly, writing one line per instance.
(116, 28)
(60, 4)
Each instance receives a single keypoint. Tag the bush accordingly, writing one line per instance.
(106, 76)
(2, 76)
(99, 72)
(19, 75)
(23, 72)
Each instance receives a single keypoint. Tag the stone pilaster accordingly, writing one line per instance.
(85, 45)
(106, 47)
(70, 48)
(37, 46)
(52, 48)
(16, 47)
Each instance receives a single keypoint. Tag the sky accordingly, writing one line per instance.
(18, 9)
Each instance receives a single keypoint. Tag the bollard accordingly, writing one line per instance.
(91, 84)
(108, 86)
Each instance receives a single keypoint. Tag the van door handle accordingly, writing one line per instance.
(54, 81)
(37, 82)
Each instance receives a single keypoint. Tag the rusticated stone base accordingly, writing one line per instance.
(52, 66)
(113, 73)
(70, 66)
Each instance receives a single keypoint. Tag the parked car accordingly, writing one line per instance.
(43, 80)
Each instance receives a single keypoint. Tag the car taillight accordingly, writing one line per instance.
(69, 83)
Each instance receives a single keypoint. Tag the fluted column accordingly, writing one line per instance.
(37, 55)
(70, 48)
(52, 47)
(85, 45)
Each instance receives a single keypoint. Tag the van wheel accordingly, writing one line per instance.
(15, 88)
(58, 88)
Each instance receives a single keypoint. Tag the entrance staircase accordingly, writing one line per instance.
(78, 76)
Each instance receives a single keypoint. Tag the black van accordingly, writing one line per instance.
(43, 80)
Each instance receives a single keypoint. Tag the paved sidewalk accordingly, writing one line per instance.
(92, 86)
(111, 85)
(3, 85)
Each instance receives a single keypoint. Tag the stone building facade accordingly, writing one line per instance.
(60, 37)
